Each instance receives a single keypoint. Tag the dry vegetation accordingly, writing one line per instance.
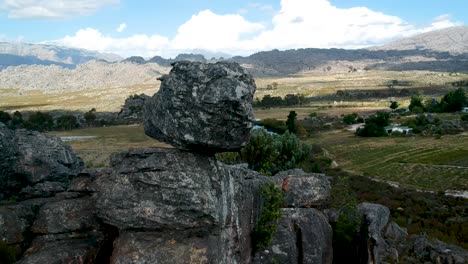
(103, 99)
(96, 151)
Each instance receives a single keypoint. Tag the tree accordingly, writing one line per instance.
(4, 117)
(270, 153)
(394, 105)
(375, 125)
(291, 122)
(416, 101)
(454, 101)
(67, 122)
(350, 119)
(40, 121)
(90, 116)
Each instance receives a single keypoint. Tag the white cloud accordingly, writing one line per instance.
(298, 24)
(93, 39)
(47, 9)
(121, 27)
(213, 32)
(440, 22)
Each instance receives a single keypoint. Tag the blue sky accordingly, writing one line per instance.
(149, 28)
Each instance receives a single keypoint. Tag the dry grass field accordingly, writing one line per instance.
(96, 151)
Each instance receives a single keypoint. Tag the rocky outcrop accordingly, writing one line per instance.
(303, 189)
(303, 236)
(37, 164)
(191, 202)
(375, 219)
(133, 107)
(202, 107)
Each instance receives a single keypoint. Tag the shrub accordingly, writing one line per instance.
(454, 100)
(67, 122)
(375, 125)
(291, 122)
(269, 154)
(394, 105)
(40, 121)
(350, 119)
(464, 118)
(4, 117)
(417, 110)
(266, 226)
(416, 101)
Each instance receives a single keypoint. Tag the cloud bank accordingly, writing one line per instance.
(298, 24)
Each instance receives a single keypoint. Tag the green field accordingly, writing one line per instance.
(417, 162)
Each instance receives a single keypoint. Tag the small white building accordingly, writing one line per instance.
(397, 128)
(465, 110)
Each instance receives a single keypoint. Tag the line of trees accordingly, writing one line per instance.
(453, 101)
(277, 101)
(43, 121)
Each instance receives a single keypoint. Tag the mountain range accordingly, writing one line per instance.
(53, 68)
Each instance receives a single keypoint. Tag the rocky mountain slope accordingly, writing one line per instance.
(90, 75)
(52, 53)
(453, 40)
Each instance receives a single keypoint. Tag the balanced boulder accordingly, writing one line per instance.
(202, 107)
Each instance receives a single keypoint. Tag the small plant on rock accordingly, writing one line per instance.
(266, 226)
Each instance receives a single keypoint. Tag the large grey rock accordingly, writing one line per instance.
(376, 218)
(303, 235)
(66, 216)
(59, 249)
(15, 221)
(202, 107)
(421, 249)
(187, 195)
(28, 158)
(133, 107)
(303, 189)
(166, 248)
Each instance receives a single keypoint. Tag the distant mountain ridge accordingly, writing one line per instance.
(453, 40)
(50, 54)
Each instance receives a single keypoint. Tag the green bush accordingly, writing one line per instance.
(464, 117)
(4, 117)
(394, 105)
(7, 254)
(417, 110)
(40, 122)
(67, 122)
(266, 226)
(375, 125)
(416, 101)
(350, 119)
(269, 154)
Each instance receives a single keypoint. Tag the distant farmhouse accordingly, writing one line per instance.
(400, 129)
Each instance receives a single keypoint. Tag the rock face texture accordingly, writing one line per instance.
(190, 202)
(133, 107)
(303, 236)
(37, 164)
(202, 107)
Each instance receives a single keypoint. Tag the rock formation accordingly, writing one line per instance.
(178, 205)
(202, 107)
(34, 163)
